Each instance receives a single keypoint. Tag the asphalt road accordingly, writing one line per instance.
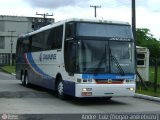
(4, 76)
(16, 99)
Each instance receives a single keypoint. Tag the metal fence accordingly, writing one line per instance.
(4, 59)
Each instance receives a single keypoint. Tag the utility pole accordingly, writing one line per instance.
(11, 42)
(95, 9)
(44, 16)
(134, 18)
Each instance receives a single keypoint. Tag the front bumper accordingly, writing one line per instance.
(104, 90)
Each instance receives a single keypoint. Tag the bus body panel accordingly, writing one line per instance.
(43, 67)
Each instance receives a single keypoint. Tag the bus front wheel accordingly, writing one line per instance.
(60, 89)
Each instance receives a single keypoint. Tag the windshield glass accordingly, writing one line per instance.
(122, 57)
(105, 57)
(103, 30)
(92, 56)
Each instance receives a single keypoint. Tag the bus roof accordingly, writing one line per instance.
(75, 20)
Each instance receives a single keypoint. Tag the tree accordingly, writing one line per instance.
(146, 39)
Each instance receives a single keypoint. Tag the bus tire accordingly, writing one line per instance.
(23, 80)
(26, 80)
(60, 89)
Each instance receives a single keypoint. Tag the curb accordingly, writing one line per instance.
(7, 71)
(4, 71)
(146, 97)
(13, 74)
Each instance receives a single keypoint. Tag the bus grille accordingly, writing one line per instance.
(109, 81)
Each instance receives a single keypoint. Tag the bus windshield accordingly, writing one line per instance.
(105, 57)
(100, 48)
(103, 30)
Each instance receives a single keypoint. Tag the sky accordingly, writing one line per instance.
(147, 11)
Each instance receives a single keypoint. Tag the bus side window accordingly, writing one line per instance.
(46, 34)
(37, 45)
(25, 45)
(55, 37)
(19, 50)
(69, 30)
(70, 56)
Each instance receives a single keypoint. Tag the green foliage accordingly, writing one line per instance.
(142, 35)
(146, 39)
(152, 73)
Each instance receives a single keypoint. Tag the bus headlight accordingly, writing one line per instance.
(85, 80)
(87, 92)
(131, 89)
(90, 80)
(129, 81)
(86, 89)
(78, 80)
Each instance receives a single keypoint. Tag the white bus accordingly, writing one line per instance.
(80, 58)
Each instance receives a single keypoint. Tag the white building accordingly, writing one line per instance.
(143, 62)
(10, 28)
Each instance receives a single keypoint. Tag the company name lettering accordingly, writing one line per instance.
(47, 57)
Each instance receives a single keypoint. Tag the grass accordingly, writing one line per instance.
(9, 69)
(150, 90)
(151, 74)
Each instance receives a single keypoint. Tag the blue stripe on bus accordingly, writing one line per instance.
(36, 68)
(108, 76)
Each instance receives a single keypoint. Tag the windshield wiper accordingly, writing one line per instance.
(116, 61)
(118, 65)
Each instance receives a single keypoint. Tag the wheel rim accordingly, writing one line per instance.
(60, 88)
(26, 81)
(22, 79)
